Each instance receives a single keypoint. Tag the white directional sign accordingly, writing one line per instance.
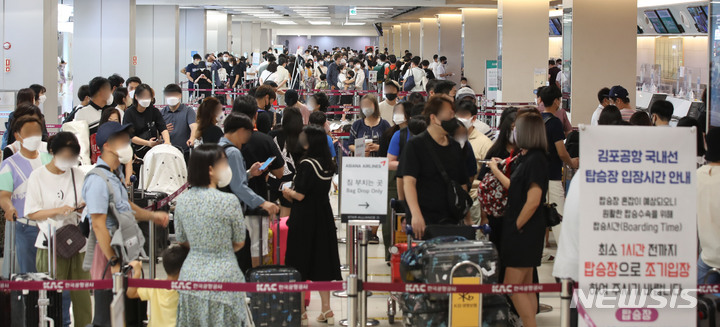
(364, 187)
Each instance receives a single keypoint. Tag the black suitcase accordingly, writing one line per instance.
(162, 234)
(275, 309)
(24, 304)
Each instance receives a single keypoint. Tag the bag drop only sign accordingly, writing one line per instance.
(637, 258)
(364, 189)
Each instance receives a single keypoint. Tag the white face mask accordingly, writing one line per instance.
(225, 176)
(467, 122)
(42, 98)
(32, 143)
(144, 102)
(131, 94)
(64, 165)
(398, 119)
(368, 111)
(172, 101)
(225, 58)
(513, 136)
(125, 154)
(357, 66)
(110, 100)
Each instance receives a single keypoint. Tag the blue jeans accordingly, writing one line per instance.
(702, 271)
(25, 236)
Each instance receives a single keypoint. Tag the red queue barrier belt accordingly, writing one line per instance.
(73, 285)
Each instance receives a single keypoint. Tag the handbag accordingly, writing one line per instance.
(552, 216)
(69, 238)
(492, 194)
(459, 199)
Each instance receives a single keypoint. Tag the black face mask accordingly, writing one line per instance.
(268, 106)
(391, 96)
(449, 125)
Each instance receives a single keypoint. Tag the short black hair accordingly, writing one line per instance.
(172, 88)
(663, 108)
(318, 118)
(119, 96)
(18, 123)
(640, 118)
(116, 80)
(264, 90)
(197, 56)
(444, 87)
(466, 106)
(271, 84)
(435, 56)
(173, 258)
(83, 92)
(463, 78)
(415, 60)
(282, 61)
(390, 82)
(425, 63)
(322, 100)
(443, 58)
(96, 84)
(245, 104)
(201, 159)
(603, 94)
(430, 86)
(235, 121)
(549, 94)
(63, 140)
(133, 79)
(551, 62)
(38, 89)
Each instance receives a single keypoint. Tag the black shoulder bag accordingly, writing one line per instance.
(459, 200)
(70, 238)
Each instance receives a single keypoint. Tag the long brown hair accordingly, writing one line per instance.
(206, 115)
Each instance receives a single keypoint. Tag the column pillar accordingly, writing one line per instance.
(264, 38)
(589, 48)
(104, 39)
(479, 44)
(217, 31)
(193, 38)
(255, 38)
(415, 39)
(388, 37)
(450, 32)
(397, 40)
(236, 40)
(32, 31)
(523, 48)
(157, 36)
(428, 37)
(405, 32)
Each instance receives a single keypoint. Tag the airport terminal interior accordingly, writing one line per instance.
(358, 149)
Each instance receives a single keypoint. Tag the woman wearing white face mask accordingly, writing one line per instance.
(54, 199)
(359, 75)
(14, 172)
(24, 110)
(40, 91)
(147, 121)
(210, 222)
(370, 127)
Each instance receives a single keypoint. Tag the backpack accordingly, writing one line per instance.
(491, 193)
(127, 241)
(409, 83)
(226, 189)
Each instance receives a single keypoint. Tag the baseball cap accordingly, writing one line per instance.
(618, 91)
(464, 92)
(108, 130)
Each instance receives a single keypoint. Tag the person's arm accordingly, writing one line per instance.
(400, 188)
(149, 143)
(293, 195)
(564, 155)
(102, 235)
(238, 183)
(532, 203)
(128, 173)
(132, 292)
(411, 197)
(166, 137)
(189, 77)
(158, 217)
(193, 130)
(7, 206)
(499, 175)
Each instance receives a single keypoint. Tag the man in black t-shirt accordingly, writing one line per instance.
(423, 183)
(238, 77)
(557, 153)
(553, 71)
(266, 120)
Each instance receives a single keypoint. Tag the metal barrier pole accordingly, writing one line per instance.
(362, 271)
(117, 306)
(43, 303)
(352, 294)
(350, 255)
(151, 249)
(565, 301)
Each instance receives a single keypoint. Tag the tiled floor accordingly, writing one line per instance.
(378, 271)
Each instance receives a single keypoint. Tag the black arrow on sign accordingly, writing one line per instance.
(366, 205)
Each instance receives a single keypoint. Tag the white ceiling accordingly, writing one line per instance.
(312, 15)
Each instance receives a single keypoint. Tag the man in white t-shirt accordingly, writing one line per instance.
(387, 107)
(282, 78)
(100, 98)
(440, 71)
(604, 100)
(418, 74)
(434, 64)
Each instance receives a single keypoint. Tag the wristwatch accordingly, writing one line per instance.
(114, 261)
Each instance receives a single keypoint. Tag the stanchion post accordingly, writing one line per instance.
(362, 271)
(352, 294)
(350, 245)
(151, 249)
(565, 301)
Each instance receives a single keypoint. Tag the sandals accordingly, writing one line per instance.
(324, 318)
(304, 319)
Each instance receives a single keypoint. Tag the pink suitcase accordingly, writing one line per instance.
(282, 239)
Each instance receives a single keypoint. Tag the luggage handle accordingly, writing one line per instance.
(707, 274)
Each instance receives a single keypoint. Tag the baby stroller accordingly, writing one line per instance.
(163, 173)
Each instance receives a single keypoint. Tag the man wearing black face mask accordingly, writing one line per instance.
(266, 120)
(391, 94)
(422, 177)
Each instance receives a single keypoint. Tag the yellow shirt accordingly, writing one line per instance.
(163, 306)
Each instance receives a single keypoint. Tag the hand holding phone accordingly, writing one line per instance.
(267, 163)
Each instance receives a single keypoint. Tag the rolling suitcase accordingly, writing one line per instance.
(162, 235)
(708, 306)
(275, 309)
(24, 304)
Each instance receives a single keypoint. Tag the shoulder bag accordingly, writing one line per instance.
(70, 238)
(458, 198)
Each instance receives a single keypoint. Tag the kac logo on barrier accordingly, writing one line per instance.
(53, 285)
(184, 286)
(264, 287)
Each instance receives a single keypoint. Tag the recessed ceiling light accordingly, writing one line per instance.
(319, 22)
(307, 7)
(284, 22)
(353, 23)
